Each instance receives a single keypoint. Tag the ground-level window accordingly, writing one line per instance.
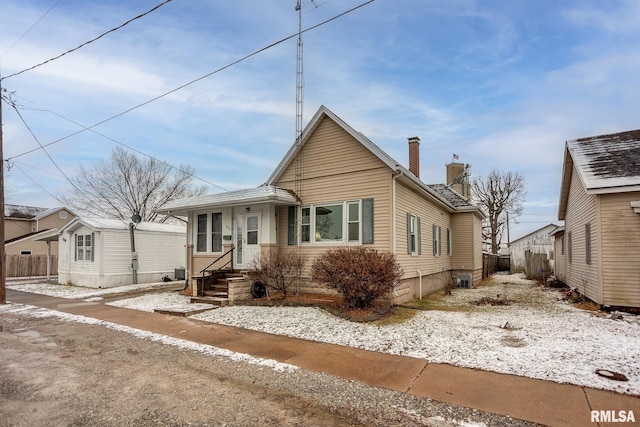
(25, 252)
(84, 247)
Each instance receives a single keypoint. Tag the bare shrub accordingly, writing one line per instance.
(361, 275)
(279, 271)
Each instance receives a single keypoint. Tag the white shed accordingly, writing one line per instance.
(540, 241)
(96, 252)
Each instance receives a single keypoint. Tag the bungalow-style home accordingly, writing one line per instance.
(534, 251)
(333, 189)
(97, 252)
(26, 226)
(600, 206)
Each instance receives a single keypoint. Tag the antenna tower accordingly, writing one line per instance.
(299, 106)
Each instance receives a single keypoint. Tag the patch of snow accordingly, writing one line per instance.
(79, 292)
(547, 338)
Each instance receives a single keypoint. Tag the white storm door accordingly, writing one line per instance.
(247, 240)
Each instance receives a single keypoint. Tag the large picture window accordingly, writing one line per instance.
(335, 223)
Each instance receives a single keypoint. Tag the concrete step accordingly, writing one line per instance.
(220, 302)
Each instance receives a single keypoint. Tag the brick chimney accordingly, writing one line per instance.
(414, 155)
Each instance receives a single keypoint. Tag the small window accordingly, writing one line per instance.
(62, 215)
(201, 238)
(587, 243)
(216, 232)
(354, 222)
(306, 225)
(437, 243)
(252, 230)
(412, 234)
(25, 252)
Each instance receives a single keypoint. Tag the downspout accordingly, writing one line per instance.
(420, 281)
(394, 222)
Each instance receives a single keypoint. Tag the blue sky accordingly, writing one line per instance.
(503, 84)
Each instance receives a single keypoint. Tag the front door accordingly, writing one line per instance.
(247, 240)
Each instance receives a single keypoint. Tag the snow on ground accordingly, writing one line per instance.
(538, 336)
(78, 292)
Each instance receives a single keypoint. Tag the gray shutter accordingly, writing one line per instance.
(291, 225)
(75, 247)
(409, 233)
(367, 221)
(93, 246)
(418, 236)
(439, 241)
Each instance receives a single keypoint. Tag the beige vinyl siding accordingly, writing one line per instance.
(410, 202)
(464, 249)
(54, 221)
(16, 227)
(620, 248)
(581, 209)
(36, 247)
(338, 168)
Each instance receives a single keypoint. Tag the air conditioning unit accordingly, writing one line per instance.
(464, 281)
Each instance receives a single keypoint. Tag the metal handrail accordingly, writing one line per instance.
(219, 268)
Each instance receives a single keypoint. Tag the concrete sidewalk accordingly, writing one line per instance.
(543, 402)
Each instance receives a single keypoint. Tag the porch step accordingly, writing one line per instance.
(216, 293)
(217, 301)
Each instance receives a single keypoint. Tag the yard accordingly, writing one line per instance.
(532, 333)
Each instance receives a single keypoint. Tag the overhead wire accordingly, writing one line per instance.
(244, 58)
(29, 29)
(88, 42)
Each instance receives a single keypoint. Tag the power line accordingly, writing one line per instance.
(29, 29)
(38, 185)
(254, 53)
(90, 41)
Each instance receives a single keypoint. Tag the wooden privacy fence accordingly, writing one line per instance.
(29, 265)
(490, 264)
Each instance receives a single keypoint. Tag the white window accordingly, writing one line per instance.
(413, 234)
(437, 242)
(62, 215)
(209, 232)
(84, 247)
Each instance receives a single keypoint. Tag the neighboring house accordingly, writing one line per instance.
(600, 205)
(25, 226)
(96, 252)
(337, 189)
(539, 243)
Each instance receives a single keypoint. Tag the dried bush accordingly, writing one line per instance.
(279, 271)
(361, 275)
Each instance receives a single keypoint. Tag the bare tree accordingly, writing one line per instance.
(126, 185)
(499, 194)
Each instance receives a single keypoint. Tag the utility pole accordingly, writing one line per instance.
(3, 261)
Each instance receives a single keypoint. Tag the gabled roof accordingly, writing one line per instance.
(436, 192)
(117, 224)
(51, 211)
(262, 194)
(547, 229)
(605, 164)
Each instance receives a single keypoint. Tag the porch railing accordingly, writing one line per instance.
(217, 270)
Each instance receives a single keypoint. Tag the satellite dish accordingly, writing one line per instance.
(136, 219)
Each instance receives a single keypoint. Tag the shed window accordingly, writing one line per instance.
(25, 252)
(84, 247)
